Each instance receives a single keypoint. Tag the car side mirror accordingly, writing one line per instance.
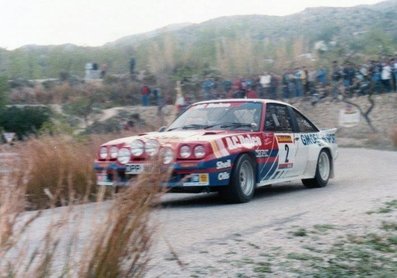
(162, 129)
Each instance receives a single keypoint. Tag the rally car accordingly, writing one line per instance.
(231, 146)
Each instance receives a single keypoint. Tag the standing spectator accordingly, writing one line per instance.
(298, 76)
(274, 81)
(386, 77)
(237, 88)
(394, 64)
(322, 76)
(375, 73)
(291, 82)
(336, 78)
(251, 93)
(132, 66)
(145, 92)
(304, 78)
(284, 82)
(311, 81)
(348, 76)
(208, 86)
(160, 101)
(265, 81)
(227, 87)
(104, 69)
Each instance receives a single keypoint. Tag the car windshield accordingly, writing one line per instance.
(220, 115)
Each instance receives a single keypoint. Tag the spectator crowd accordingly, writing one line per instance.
(340, 80)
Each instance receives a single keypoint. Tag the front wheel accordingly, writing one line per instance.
(323, 171)
(242, 183)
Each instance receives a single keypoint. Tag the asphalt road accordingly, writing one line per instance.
(203, 232)
(195, 225)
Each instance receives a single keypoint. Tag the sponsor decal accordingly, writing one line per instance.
(216, 105)
(309, 139)
(329, 138)
(212, 105)
(241, 141)
(197, 180)
(314, 138)
(188, 164)
(268, 141)
(219, 148)
(262, 153)
(284, 138)
(285, 166)
(223, 176)
(223, 164)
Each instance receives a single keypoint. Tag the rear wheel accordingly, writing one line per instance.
(323, 171)
(242, 183)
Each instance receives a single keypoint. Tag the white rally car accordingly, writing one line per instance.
(231, 146)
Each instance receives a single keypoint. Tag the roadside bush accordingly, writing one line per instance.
(24, 121)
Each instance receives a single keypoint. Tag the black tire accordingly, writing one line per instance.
(323, 171)
(243, 181)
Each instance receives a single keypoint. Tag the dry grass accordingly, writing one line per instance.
(122, 246)
(59, 170)
(120, 234)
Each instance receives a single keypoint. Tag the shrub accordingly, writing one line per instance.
(24, 120)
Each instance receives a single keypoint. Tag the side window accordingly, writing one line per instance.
(277, 118)
(304, 124)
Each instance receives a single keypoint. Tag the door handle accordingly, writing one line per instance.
(296, 138)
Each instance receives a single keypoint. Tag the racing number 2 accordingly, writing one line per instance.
(287, 150)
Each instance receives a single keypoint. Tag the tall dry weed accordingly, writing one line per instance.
(122, 247)
(60, 169)
(76, 241)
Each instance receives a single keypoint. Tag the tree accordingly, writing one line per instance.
(364, 112)
(3, 91)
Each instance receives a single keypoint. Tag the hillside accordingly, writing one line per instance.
(359, 29)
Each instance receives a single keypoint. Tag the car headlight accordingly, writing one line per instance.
(152, 147)
(123, 155)
(103, 152)
(199, 151)
(185, 151)
(168, 155)
(114, 152)
(137, 147)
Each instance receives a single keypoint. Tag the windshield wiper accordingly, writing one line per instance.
(190, 126)
(237, 125)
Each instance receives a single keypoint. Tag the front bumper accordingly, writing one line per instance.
(184, 174)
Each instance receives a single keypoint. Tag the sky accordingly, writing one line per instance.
(96, 22)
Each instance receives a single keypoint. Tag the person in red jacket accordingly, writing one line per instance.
(145, 91)
(251, 93)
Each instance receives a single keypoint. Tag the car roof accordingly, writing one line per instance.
(264, 101)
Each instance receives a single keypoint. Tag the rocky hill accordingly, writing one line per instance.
(358, 29)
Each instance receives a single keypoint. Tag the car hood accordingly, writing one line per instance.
(176, 136)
